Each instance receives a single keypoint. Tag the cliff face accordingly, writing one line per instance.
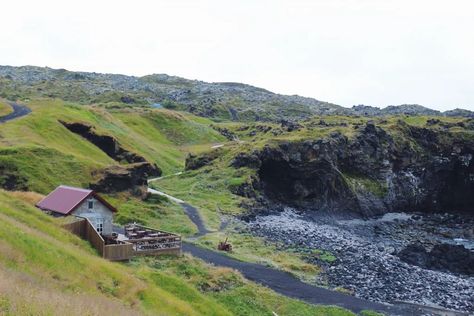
(413, 169)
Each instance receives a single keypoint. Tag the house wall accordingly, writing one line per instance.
(99, 211)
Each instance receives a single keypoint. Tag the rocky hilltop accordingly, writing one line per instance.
(407, 109)
(224, 100)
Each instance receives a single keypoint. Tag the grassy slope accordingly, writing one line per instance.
(38, 148)
(5, 108)
(42, 150)
(39, 252)
(45, 270)
(39, 140)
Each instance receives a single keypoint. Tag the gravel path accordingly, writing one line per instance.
(18, 111)
(194, 216)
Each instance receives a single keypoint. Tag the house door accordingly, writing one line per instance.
(99, 224)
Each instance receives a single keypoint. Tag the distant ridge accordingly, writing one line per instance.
(220, 100)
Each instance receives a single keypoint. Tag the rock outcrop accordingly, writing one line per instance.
(415, 169)
(124, 178)
(194, 162)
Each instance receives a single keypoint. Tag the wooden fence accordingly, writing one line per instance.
(118, 252)
(114, 252)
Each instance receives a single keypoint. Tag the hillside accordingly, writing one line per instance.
(220, 101)
(248, 181)
(46, 270)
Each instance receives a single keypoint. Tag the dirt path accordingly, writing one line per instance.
(18, 111)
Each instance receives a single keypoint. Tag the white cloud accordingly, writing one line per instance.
(344, 51)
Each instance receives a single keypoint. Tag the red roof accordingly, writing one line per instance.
(66, 199)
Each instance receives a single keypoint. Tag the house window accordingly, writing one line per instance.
(91, 204)
(100, 227)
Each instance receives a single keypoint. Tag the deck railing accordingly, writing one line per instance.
(164, 242)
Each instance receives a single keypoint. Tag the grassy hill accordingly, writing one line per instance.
(40, 138)
(62, 271)
(221, 101)
(44, 270)
(37, 153)
(47, 271)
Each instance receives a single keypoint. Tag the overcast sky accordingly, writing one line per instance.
(373, 52)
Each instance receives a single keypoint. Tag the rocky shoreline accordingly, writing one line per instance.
(366, 251)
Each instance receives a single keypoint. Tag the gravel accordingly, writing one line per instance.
(366, 261)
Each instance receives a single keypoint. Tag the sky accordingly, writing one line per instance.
(372, 52)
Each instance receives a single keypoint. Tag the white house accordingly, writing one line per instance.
(65, 201)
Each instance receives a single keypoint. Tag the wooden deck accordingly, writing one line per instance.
(148, 242)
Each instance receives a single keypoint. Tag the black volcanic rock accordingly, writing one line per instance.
(251, 160)
(443, 257)
(194, 162)
(11, 179)
(371, 173)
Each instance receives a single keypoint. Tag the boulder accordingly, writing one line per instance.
(442, 257)
(194, 162)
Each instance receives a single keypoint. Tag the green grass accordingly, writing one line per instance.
(5, 108)
(34, 245)
(249, 248)
(41, 149)
(241, 297)
(373, 186)
(55, 268)
(42, 154)
(370, 313)
(154, 212)
(44, 168)
(163, 135)
(208, 190)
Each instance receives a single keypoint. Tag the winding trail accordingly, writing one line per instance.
(280, 281)
(18, 111)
